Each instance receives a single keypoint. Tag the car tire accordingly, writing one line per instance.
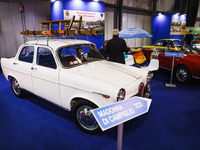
(84, 118)
(17, 90)
(182, 74)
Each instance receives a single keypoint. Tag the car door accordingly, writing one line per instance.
(22, 67)
(45, 75)
(164, 61)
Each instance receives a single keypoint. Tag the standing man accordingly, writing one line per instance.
(116, 47)
(188, 38)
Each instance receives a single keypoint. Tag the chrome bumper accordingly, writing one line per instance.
(144, 91)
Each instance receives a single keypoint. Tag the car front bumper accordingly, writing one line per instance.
(144, 90)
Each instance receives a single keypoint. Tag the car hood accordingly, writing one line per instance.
(104, 74)
(103, 77)
(109, 72)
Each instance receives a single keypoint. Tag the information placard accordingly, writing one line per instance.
(174, 54)
(117, 113)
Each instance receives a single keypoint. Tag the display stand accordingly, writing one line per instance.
(120, 136)
(127, 109)
(170, 84)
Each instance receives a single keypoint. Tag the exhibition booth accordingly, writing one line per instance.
(168, 26)
(103, 105)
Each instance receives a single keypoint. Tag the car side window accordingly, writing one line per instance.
(158, 44)
(27, 54)
(45, 58)
(160, 50)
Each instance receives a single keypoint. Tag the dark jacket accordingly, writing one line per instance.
(102, 50)
(115, 48)
(188, 38)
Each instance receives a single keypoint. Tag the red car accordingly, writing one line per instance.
(185, 67)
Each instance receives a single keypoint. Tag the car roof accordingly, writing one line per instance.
(56, 43)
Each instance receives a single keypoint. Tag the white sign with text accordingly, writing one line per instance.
(117, 113)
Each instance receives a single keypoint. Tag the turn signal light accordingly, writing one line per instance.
(106, 96)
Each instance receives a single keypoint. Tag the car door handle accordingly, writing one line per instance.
(32, 68)
(15, 63)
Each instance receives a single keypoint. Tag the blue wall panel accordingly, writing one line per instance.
(81, 5)
(162, 24)
(57, 10)
(161, 27)
(84, 5)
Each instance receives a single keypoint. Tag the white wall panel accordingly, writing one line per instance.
(163, 5)
(109, 23)
(109, 1)
(126, 20)
(197, 24)
(147, 26)
(11, 26)
(140, 24)
(7, 31)
(198, 14)
(144, 4)
(134, 20)
(131, 20)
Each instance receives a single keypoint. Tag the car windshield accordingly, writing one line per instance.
(179, 46)
(184, 48)
(174, 46)
(78, 54)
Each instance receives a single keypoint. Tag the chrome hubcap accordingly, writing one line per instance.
(16, 87)
(181, 74)
(85, 118)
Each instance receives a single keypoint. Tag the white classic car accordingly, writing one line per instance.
(73, 75)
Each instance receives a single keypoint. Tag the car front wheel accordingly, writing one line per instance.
(83, 117)
(17, 90)
(182, 74)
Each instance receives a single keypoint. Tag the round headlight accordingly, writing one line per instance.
(121, 94)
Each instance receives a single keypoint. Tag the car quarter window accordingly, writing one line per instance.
(45, 58)
(27, 54)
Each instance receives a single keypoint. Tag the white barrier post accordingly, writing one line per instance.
(170, 84)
